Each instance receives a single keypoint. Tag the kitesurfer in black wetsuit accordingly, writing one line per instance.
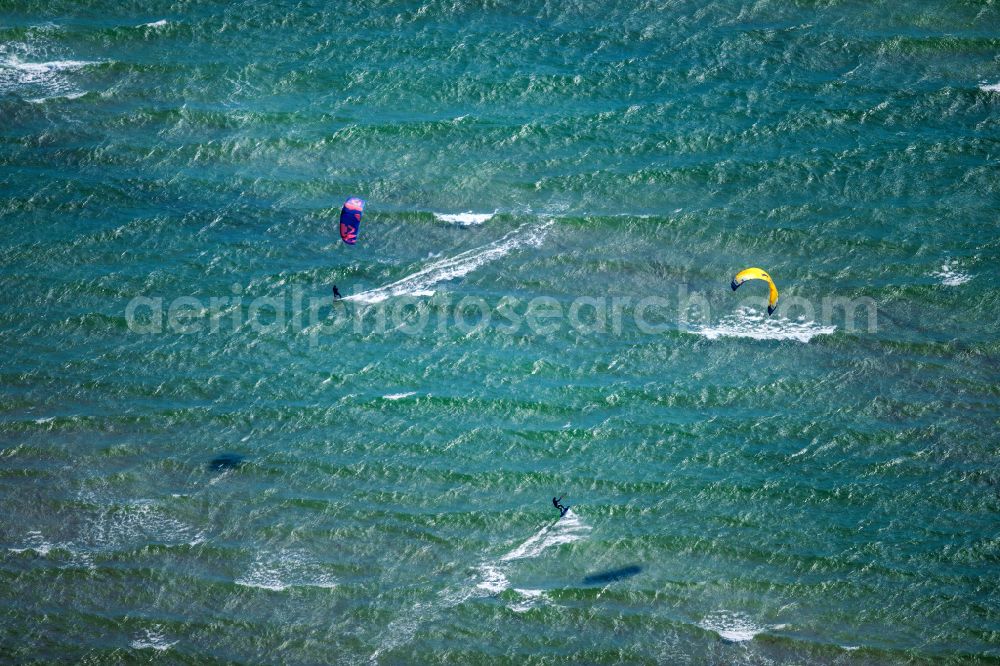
(336, 293)
(557, 503)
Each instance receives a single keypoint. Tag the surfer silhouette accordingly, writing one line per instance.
(557, 503)
(336, 293)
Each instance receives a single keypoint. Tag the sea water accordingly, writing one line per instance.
(204, 459)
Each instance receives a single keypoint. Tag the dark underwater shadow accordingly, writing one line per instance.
(613, 575)
(225, 461)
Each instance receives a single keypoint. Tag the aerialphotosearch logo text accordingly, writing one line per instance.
(319, 318)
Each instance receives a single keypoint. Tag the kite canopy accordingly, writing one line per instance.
(757, 274)
(350, 219)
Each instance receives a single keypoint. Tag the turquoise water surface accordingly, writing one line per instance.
(205, 460)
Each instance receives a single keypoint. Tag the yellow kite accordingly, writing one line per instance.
(757, 274)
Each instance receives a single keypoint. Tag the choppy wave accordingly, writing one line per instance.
(41, 81)
(735, 627)
(950, 275)
(114, 527)
(34, 542)
(153, 639)
(137, 522)
(529, 599)
(72, 95)
(285, 569)
(110, 527)
(462, 264)
(32, 70)
(749, 323)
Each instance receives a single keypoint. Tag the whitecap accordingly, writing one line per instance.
(49, 78)
(155, 24)
(130, 524)
(493, 579)
(990, 87)
(154, 639)
(950, 275)
(748, 323)
(45, 67)
(529, 599)
(398, 396)
(36, 543)
(288, 568)
(41, 100)
(467, 219)
(732, 626)
(139, 521)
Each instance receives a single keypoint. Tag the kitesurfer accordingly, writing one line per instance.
(557, 503)
(336, 293)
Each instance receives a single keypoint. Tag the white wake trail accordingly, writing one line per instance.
(492, 581)
(455, 267)
(567, 529)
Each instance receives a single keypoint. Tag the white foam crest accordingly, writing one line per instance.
(284, 570)
(152, 638)
(36, 544)
(748, 323)
(467, 219)
(155, 24)
(950, 275)
(567, 529)
(398, 396)
(45, 67)
(139, 522)
(48, 78)
(732, 626)
(990, 87)
(39, 100)
(529, 599)
(458, 266)
(494, 581)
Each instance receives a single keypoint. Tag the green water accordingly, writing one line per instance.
(295, 481)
